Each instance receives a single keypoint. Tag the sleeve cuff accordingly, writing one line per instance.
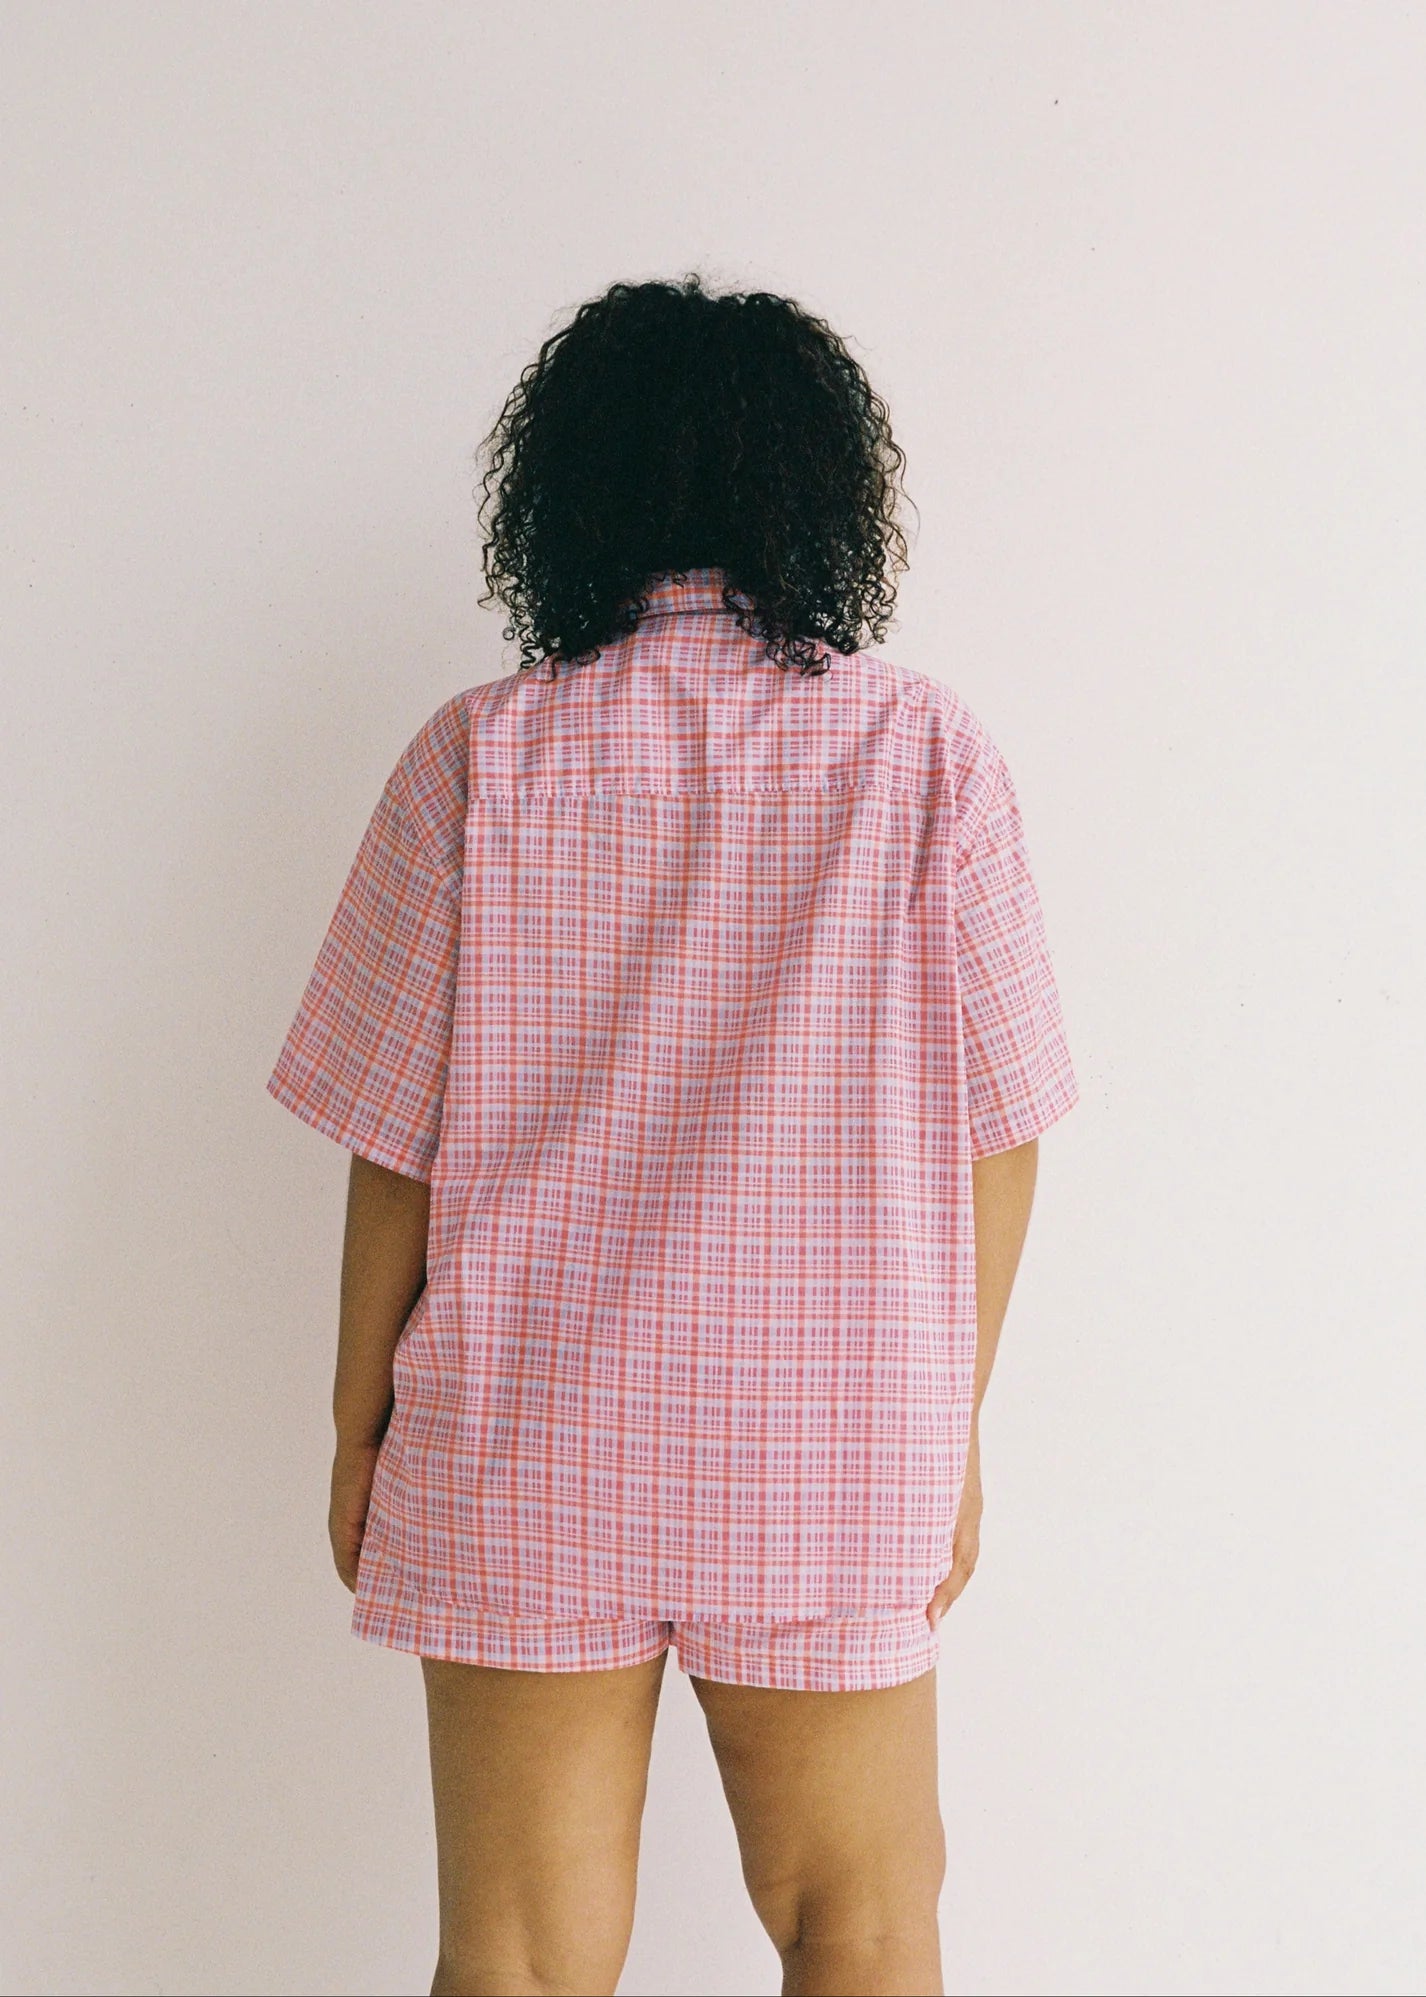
(1005, 1128)
(370, 1144)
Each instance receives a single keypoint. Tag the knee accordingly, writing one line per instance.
(869, 1940)
(867, 1929)
(871, 1912)
(485, 1971)
(890, 1961)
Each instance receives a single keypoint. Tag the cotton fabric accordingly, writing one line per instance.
(823, 1654)
(692, 986)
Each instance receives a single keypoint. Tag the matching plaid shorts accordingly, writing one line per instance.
(828, 1654)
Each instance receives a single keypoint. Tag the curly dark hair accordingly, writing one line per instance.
(666, 428)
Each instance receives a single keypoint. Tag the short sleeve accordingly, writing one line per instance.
(1019, 1077)
(366, 1057)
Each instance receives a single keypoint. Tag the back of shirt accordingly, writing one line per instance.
(693, 985)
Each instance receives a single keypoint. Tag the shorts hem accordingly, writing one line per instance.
(825, 1653)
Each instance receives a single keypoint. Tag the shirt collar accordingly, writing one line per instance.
(699, 590)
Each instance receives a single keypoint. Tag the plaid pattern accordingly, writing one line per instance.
(824, 1654)
(693, 987)
(368, 1054)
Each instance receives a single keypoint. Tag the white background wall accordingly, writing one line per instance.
(1143, 285)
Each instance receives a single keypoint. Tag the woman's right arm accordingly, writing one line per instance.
(383, 1273)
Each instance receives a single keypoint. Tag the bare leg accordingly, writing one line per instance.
(835, 1803)
(539, 1779)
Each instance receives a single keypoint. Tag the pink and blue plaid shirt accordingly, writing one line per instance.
(692, 986)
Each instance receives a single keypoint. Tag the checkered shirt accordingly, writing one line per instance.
(692, 986)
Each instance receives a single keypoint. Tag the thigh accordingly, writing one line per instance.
(835, 1802)
(539, 1779)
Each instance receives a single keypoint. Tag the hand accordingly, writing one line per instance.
(352, 1472)
(966, 1549)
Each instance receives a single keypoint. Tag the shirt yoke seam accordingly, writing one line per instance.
(927, 798)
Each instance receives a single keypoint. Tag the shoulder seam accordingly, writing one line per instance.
(1002, 784)
(448, 877)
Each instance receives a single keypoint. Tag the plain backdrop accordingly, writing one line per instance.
(1145, 289)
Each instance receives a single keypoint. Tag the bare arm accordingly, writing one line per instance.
(383, 1273)
(1003, 1189)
